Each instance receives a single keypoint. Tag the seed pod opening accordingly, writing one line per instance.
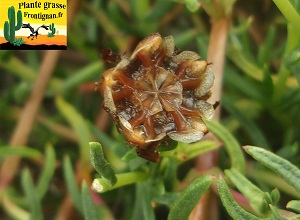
(159, 92)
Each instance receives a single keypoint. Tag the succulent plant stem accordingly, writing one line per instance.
(216, 55)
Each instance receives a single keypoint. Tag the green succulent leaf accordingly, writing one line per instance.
(264, 50)
(289, 12)
(47, 173)
(294, 205)
(232, 146)
(101, 165)
(170, 174)
(232, 207)
(189, 198)
(258, 199)
(72, 183)
(167, 198)
(276, 215)
(79, 126)
(21, 151)
(31, 195)
(275, 196)
(296, 217)
(130, 155)
(201, 147)
(85, 74)
(282, 167)
(192, 5)
(292, 62)
(142, 208)
(101, 185)
(139, 9)
(248, 124)
(12, 209)
(145, 189)
(89, 209)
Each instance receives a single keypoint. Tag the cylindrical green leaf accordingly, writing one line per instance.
(168, 198)
(89, 209)
(296, 217)
(232, 146)
(47, 173)
(233, 209)
(101, 165)
(282, 167)
(72, 183)
(12, 209)
(189, 198)
(142, 208)
(192, 5)
(101, 185)
(294, 205)
(170, 174)
(139, 9)
(275, 196)
(276, 214)
(245, 122)
(293, 57)
(79, 126)
(31, 194)
(289, 12)
(198, 148)
(257, 198)
(144, 189)
(85, 74)
(21, 151)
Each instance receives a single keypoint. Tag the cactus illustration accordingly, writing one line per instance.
(53, 30)
(10, 27)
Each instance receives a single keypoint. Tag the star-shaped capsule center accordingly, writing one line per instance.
(158, 90)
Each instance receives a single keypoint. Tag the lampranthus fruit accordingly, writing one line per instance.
(157, 93)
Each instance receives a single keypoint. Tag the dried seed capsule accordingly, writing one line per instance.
(156, 93)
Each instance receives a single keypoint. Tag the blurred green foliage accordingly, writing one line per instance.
(260, 107)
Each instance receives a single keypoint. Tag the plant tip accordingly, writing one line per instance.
(96, 186)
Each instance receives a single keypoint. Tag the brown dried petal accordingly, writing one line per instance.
(109, 101)
(170, 45)
(135, 136)
(206, 109)
(185, 55)
(206, 84)
(158, 138)
(197, 129)
(187, 136)
(150, 44)
(196, 68)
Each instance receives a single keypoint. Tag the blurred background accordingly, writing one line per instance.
(49, 109)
